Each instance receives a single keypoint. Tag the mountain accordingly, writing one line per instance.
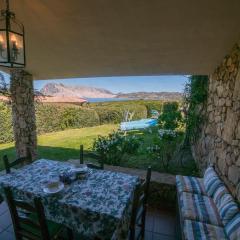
(172, 96)
(54, 92)
(61, 90)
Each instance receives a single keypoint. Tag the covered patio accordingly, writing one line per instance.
(79, 39)
(70, 39)
(161, 221)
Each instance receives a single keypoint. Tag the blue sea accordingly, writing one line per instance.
(107, 99)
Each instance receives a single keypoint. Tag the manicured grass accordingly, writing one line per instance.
(62, 145)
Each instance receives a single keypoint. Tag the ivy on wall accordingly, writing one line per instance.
(195, 98)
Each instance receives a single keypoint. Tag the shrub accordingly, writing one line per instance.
(170, 117)
(55, 118)
(114, 146)
(6, 128)
(48, 118)
(79, 118)
(110, 148)
(131, 144)
(140, 111)
(153, 105)
(116, 113)
(167, 134)
(109, 115)
(165, 147)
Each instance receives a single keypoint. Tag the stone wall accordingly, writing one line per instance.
(219, 141)
(23, 112)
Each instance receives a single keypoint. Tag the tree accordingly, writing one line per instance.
(4, 86)
(170, 117)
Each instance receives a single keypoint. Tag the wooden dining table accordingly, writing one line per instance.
(98, 206)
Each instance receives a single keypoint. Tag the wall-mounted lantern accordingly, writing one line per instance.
(12, 45)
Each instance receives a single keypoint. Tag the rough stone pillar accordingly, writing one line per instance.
(219, 140)
(23, 112)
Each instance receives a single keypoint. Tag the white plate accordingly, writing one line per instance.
(53, 190)
(81, 170)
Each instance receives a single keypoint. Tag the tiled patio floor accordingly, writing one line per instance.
(160, 224)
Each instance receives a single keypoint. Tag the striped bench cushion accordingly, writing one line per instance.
(228, 208)
(200, 231)
(210, 172)
(199, 208)
(218, 196)
(211, 182)
(190, 184)
(233, 228)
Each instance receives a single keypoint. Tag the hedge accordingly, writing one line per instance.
(115, 114)
(153, 105)
(52, 118)
(57, 117)
(6, 130)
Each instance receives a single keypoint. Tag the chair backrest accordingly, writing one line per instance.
(28, 221)
(91, 155)
(20, 161)
(139, 208)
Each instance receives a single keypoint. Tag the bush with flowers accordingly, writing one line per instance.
(167, 134)
(113, 147)
(165, 146)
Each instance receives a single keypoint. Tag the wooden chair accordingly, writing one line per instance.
(139, 209)
(29, 221)
(20, 161)
(91, 155)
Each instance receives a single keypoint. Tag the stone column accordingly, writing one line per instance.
(219, 141)
(23, 112)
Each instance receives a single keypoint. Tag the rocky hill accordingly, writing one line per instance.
(62, 91)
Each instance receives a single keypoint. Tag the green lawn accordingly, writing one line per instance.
(65, 144)
(62, 145)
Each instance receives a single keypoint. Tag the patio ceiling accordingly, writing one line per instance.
(79, 38)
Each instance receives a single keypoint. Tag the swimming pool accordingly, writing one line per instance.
(139, 124)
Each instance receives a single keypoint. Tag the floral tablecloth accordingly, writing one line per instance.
(98, 206)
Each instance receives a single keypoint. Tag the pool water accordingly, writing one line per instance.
(139, 124)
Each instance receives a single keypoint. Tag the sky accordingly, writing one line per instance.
(164, 83)
(126, 84)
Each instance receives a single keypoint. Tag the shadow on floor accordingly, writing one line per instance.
(160, 224)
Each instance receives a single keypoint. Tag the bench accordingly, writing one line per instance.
(206, 208)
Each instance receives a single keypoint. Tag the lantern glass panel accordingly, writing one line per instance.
(2, 22)
(16, 45)
(3, 47)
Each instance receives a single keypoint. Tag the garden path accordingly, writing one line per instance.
(156, 176)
